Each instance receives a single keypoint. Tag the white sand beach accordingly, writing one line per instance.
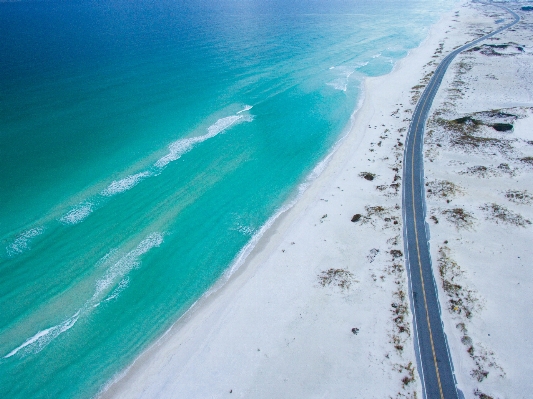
(319, 309)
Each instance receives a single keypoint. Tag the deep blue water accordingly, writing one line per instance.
(144, 143)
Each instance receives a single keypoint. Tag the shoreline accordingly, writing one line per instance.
(257, 243)
(275, 231)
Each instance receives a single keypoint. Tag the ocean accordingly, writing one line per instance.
(144, 148)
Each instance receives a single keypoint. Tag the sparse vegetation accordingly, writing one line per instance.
(467, 131)
(396, 253)
(372, 255)
(337, 277)
(375, 213)
(410, 377)
(498, 50)
(442, 189)
(483, 359)
(462, 134)
(389, 190)
(394, 240)
(459, 217)
(481, 395)
(400, 312)
(488, 171)
(527, 160)
(500, 214)
(462, 301)
(469, 141)
(519, 197)
(416, 92)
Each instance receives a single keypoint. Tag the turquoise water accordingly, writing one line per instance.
(143, 145)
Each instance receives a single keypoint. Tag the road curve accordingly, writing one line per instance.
(433, 358)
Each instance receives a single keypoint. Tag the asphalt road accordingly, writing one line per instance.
(433, 357)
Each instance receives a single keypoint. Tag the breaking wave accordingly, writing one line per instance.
(182, 146)
(118, 270)
(116, 273)
(119, 186)
(78, 213)
(22, 242)
(38, 342)
(176, 149)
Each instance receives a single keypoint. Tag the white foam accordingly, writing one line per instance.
(119, 186)
(180, 147)
(319, 168)
(245, 230)
(78, 213)
(221, 125)
(339, 84)
(39, 341)
(243, 254)
(124, 265)
(246, 108)
(247, 249)
(22, 242)
(117, 272)
(302, 187)
(346, 71)
(117, 291)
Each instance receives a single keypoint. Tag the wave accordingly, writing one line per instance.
(243, 254)
(22, 242)
(182, 146)
(116, 272)
(119, 186)
(122, 285)
(339, 84)
(38, 342)
(319, 168)
(78, 213)
(246, 108)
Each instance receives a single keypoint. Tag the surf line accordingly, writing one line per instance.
(78, 213)
(108, 287)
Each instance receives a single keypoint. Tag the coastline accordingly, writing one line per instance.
(215, 331)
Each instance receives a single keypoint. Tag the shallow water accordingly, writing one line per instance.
(144, 144)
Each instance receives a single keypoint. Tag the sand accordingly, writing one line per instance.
(489, 331)
(319, 308)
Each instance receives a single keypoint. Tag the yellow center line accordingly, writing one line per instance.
(429, 88)
(417, 244)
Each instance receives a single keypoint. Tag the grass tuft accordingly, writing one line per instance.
(519, 197)
(337, 277)
(459, 217)
(500, 214)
